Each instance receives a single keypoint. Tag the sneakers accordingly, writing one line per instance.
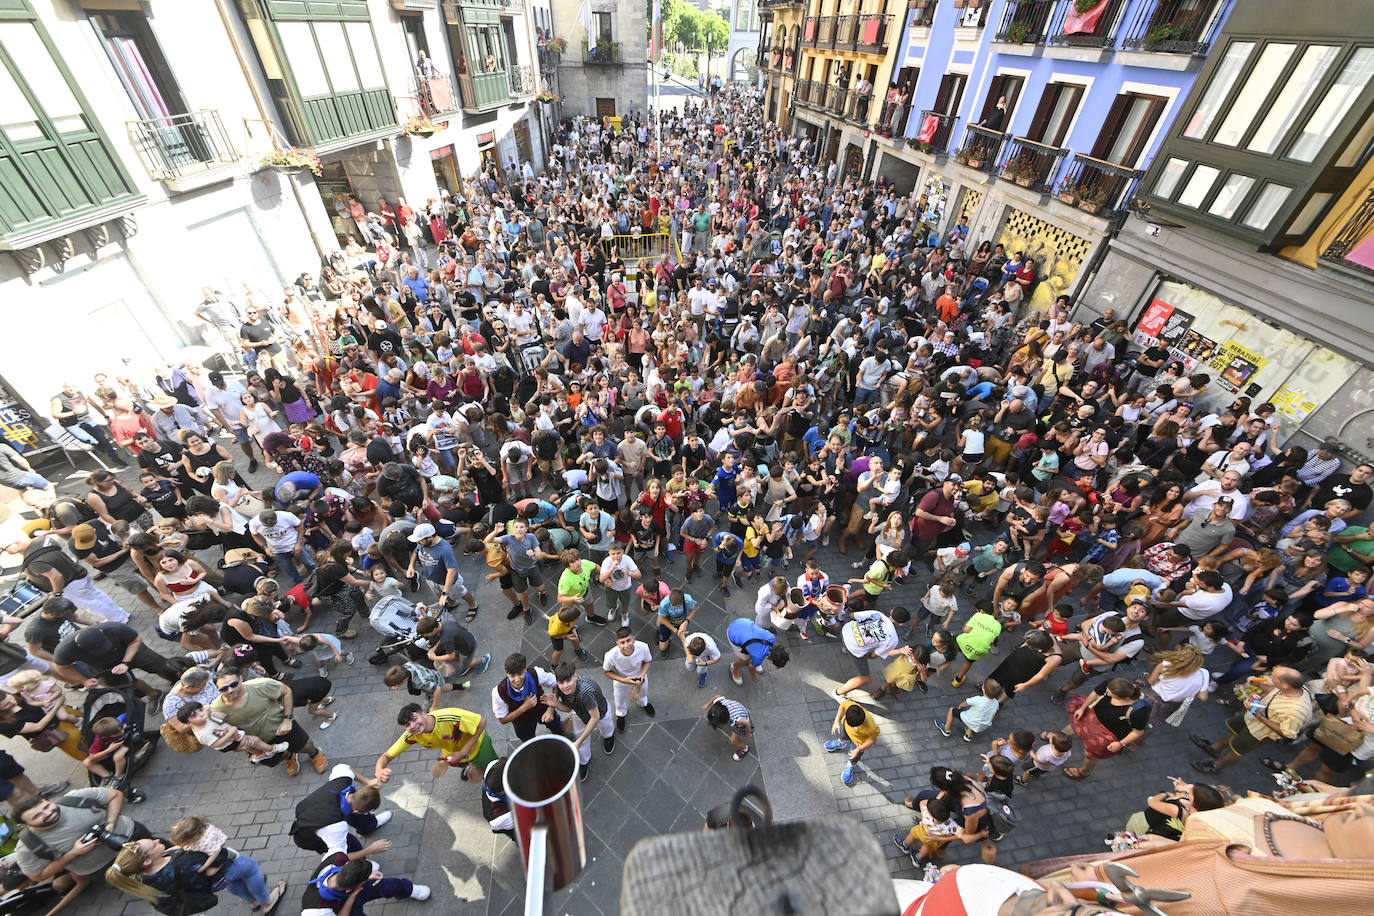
(293, 766)
(968, 735)
(649, 710)
(701, 679)
(583, 771)
(624, 620)
(608, 745)
(462, 685)
(349, 658)
(582, 655)
(514, 612)
(1204, 766)
(54, 788)
(958, 681)
(870, 516)
(384, 818)
(482, 665)
(900, 842)
(620, 723)
(825, 540)
(279, 748)
(836, 744)
(836, 694)
(599, 621)
(740, 755)
(736, 677)
(847, 776)
(1057, 698)
(420, 892)
(801, 631)
(921, 686)
(322, 671)
(543, 599)
(725, 590)
(940, 727)
(662, 653)
(252, 465)
(1204, 744)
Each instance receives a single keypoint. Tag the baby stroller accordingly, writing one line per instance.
(395, 618)
(125, 703)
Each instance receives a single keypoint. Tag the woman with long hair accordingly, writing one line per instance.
(1177, 677)
(1107, 723)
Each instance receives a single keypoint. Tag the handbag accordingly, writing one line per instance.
(1337, 735)
(47, 739)
(250, 506)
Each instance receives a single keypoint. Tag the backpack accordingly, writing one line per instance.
(36, 845)
(1001, 812)
(83, 511)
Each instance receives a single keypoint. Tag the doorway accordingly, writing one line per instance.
(605, 108)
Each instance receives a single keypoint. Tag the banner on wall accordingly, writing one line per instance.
(1294, 403)
(1162, 322)
(1193, 350)
(1236, 365)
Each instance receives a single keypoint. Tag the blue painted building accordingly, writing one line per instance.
(1034, 119)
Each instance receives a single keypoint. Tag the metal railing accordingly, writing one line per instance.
(825, 32)
(857, 105)
(436, 95)
(846, 30)
(1173, 27)
(177, 145)
(1030, 164)
(982, 148)
(801, 92)
(923, 16)
(835, 99)
(939, 139)
(1025, 21)
(1352, 234)
(640, 247)
(521, 81)
(972, 18)
(872, 36)
(1096, 28)
(1096, 184)
(607, 52)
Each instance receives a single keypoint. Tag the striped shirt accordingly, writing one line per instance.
(1317, 469)
(586, 695)
(736, 710)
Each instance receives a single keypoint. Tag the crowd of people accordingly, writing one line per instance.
(489, 389)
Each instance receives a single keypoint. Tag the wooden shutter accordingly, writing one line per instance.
(1048, 99)
(1111, 125)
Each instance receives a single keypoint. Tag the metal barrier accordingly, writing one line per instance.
(640, 247)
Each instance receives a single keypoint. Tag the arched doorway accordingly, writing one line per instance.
(742, 67)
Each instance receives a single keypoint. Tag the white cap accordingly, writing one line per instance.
(420, 533)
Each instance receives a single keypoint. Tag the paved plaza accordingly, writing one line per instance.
(665, 774)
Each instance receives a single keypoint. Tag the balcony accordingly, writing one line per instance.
(1096, 28)
(1095, 185)
(923, 15)
(1025, 22)
(520, 79)
(436, 95)
(836, 97)
(186, 150)
(809, 29)
(1174, 27)
(347, 118)
(857, 105)
(982, 148)
(607, 53)
(825, 32)
(872, 36)
(802, 94)
(1350, 247)
(934, 131)
(484, 91)
(846, 28)
(1030, 164)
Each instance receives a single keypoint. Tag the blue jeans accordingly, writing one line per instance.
(243, 878)
(392, 888)
(864, 396)
(286, 562)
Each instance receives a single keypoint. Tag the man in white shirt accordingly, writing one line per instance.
(1236, 459)
(277, 533)
(627, 665)
(224, 398)
(1206, 596)
(1201, 497)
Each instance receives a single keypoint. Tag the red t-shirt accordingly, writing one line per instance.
(936, 503)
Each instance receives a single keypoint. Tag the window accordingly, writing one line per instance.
(1223, 81)
(603, 27)
(32, 59)
(413, 27)
(1335, 105)
(1053, 117)
(1002, 86)
(1168, 178)
(1199, 183)
(1265, 75)
(337, 60)
(1233, 191)
(744, 17)
(139, 63)
(950, 93)
(1127, 128)
(1264, 208)
(298, 41)
(1297, 91)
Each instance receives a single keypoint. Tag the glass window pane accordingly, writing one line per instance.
(1233, 191)
(1201, 181)
(1261, 80)
(337, 58)
(16, 114)
(1266, 205)
(303, 57)
(1223, 78)
(1334, 106)
(365, 54)
(32, 59)
(1168, 179)
(1302, 84)
(1304, 218)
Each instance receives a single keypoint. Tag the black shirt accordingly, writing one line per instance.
(1339, 486)
(258, 333)
(1120, 720)
(165, 463)
(242, 578)
(46, 633)
(119, 636)
(104, 546)
(23, 716)
(45, 554)
(405, 490)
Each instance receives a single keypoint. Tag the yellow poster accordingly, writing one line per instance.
(1237, 364)
(1294, 403)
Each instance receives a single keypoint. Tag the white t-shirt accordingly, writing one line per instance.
(1177, 689)
(708, 654)
(281, 537)
(620, 574)
(626, 665)
(870, 633)
(1201, 605)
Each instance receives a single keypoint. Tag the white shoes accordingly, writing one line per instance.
(419, 892)
(384, 818)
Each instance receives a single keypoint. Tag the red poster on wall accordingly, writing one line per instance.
(1155, 317)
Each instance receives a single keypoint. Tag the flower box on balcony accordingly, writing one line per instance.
(1025, 181)
(1067, 197)
(291, 161)
(1088, 206)
(975, 162)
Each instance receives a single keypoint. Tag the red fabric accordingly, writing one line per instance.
(1092, 733)
(929, 125)
(870, 35)
(1076, 23)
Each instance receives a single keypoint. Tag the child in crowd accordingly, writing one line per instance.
(108, 755)
(1056, 621)
(939, 604)
(702, 652)
(327, 650)
(860, 730)
(936, 829)
(999, 775)
(979, 633)
(563, 627)
(421, 680)
(976, 712)
(1051, 755)
(651, 593)
(383, 585)
(721, 712)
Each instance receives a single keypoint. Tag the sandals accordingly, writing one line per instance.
(274, 898)
(1075, 773)
(471, 615)
(328, 720)
(1274, 765)
(325, 702)
(910, 802)
(349, 634)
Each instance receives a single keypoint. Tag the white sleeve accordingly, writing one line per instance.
(498, 705)
(335, 837)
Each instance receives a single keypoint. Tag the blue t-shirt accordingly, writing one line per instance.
(436, 561)
(547, 510)
(1118, 581)
(1338, 584)
(666, 608)
(980, 391)
(730, 554)
(303, 481)
(751, 639)
(724, 482)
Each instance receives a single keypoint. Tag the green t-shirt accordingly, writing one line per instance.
(576, 584)
(983, 629)
(261, 713)
(880, 571)
(1340, 556)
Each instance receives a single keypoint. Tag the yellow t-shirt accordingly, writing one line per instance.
(453, 727)
(557, 627)
(861, 733)
(752, 542)
(650, 300)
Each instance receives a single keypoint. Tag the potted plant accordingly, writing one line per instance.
(421, 126)
(1066, 193)
(961, 156)
(1165, 31)
(1086, 6)
(1091, 199)
(975, 158)
(1018, 33)
(557, 45)
(959, 4)
(290, 160)
(547, 97)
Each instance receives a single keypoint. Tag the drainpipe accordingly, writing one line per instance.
(266, 113)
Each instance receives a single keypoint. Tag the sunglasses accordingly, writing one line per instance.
(232, 685)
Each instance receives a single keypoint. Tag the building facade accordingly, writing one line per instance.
(133, 173)
(1252, 252)
(743, 50)
(607, 76)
